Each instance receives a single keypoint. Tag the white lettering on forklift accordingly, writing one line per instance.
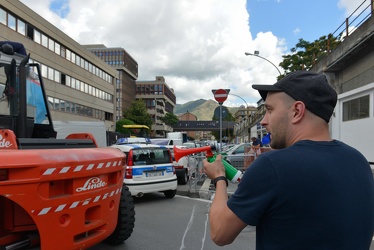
(4, 143)
(92, 183)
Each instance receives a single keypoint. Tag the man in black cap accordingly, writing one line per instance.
(313, 192)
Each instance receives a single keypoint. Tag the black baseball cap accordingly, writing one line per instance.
(311, 88)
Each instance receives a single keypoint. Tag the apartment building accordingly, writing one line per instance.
(159, 99)
(79, 85)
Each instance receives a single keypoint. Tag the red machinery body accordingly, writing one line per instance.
(56, 193)
(69, 192)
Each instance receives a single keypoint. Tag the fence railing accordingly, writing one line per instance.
(351, 23)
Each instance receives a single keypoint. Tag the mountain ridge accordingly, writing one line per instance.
(201, 108)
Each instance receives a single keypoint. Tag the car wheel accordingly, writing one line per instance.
(183, 180)
(170, 193)
(125, 220)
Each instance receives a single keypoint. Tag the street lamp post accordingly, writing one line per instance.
(246, 109)
(257, 54)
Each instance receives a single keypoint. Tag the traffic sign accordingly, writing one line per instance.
(220, 95)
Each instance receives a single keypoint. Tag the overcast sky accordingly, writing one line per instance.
(199, 45)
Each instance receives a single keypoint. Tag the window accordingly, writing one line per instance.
(57, 76)
(11, 22)
(2, 16)
(57, 48)
(68, 55)
(51, 44)
(44, 40)
(21, 27)
(50, 74)
(44, 71)
(37, 37)
(356, 109)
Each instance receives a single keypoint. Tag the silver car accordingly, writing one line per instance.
(238, 154)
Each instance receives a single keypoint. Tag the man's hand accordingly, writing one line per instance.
(215, 168)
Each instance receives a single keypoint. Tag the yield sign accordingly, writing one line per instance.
(220, 95)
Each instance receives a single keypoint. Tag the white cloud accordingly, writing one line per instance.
(196, 45)
(351, 5)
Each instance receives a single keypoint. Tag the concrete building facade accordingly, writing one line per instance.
(127, 69)
(79, 85)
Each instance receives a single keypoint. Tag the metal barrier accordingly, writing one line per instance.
(197, 176)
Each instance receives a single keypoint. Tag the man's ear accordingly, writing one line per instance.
(298, 109)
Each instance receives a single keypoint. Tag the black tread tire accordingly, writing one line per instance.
(170, 193)
(126, 219)
(183, 180)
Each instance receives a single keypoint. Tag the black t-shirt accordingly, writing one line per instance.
(312, 195)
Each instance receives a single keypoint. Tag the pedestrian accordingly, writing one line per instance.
(256, 143)
(311, 192)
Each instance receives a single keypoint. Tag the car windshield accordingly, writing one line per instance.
(147, 156)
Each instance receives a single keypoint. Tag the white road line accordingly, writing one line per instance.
(188, 226)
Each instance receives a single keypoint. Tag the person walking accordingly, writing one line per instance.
(311, 192)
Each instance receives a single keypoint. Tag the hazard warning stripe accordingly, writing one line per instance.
(75, 204)
(67, 169)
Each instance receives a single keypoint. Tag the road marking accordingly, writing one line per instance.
(188, 226)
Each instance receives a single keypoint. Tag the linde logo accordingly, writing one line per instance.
(92, 183)
(4, 143)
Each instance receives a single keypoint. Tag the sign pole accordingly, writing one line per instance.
(220, 127)
(220, 95)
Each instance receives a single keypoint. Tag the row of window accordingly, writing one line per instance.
(74, 108)
(57, 76)
(25, 29)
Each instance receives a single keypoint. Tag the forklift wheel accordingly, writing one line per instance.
(125, 220)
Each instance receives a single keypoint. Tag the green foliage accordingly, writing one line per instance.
(306, 54)
(170, 119)
(120, 123)
(138, 113)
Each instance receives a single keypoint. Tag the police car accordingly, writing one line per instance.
(149, 167)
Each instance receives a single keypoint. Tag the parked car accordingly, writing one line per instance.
(235, 155)
(184, 167)
(149, 169)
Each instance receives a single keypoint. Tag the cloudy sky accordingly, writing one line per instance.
(199, 45)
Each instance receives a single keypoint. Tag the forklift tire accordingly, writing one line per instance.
(125, 220)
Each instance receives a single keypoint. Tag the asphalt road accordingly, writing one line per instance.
(178, 223)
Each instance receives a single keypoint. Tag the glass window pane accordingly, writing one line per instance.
(72, 57)
(37, 36)
(21, 27)
(51, 44)
(68, 55)
(68, 81)
(57, 76)
(2, 16)
(50, 74)
(44, 40)
(11, 22)
(57, 48)
(44, 71)
(78, 85)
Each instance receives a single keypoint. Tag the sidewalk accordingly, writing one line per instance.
(204, 190)
(207, 190)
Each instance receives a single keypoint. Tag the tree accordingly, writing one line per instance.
(119, 125)
(170, 119)
(305, 54)
(138, 113)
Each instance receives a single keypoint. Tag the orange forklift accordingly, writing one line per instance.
(54, 193)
